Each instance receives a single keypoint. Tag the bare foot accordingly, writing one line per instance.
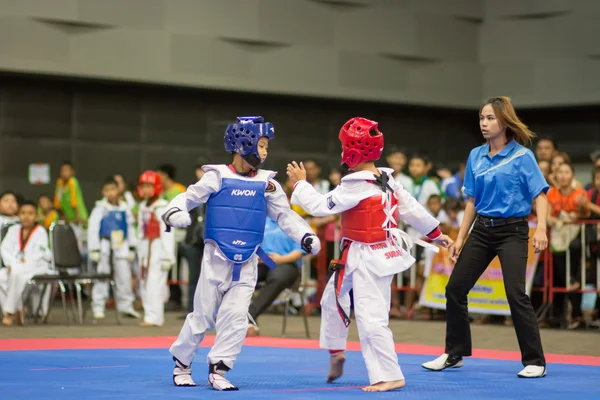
(252, 331)
(396, 312)
(385, 386)
(7, 320)
(336, 366)
(147, 324)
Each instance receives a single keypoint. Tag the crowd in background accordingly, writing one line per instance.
(438, 188)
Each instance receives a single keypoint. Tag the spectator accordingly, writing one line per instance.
(558, 159)
(69, 199)
(566, 205)
(8, 209)
(25, 253)
(111, 245)
(171, 188)
(454, 213)
(124, 194)
(168, 174)
(544, 166)
(596, 160)
(335, 178)
(423, 186)
(545, 149)
(452, 186)
(193, 245)
(313, 176)
(396, 159)
(593, 192)
(47, 214)
(287, 254)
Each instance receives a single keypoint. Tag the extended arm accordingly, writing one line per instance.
(410, 210)
(321, 205)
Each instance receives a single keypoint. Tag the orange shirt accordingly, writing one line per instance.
(559, 202)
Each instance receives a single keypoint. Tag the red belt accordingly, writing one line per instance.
(339, 267)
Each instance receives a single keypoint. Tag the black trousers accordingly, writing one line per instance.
(175, 292)
(193, 254)
(276, 281)
(510, 244)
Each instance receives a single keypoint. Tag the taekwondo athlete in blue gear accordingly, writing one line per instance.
(238, 196)
(111, 242)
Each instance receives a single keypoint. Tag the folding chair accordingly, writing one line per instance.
(297, 288)
(66, 256)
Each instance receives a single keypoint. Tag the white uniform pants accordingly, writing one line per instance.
(217, 297)
(371, 309)
(13, 285)
(123, 292)
(153, 286)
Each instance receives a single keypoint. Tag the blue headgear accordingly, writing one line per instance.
(242, 137)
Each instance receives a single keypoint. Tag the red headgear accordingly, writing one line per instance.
(361, 141)
(153, 178)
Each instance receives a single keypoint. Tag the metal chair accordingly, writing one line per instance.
(66, 256)
(297, 288)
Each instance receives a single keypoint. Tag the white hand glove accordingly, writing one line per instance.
(178, 218)
(94, 256)
(131, 255)
(166, 265)
(311, 243)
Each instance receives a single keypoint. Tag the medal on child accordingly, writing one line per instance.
(23, 243)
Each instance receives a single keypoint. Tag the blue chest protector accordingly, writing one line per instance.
(113, 221)
(235, 220)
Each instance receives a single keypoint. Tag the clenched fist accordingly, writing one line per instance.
(311, 243)
(177, 218)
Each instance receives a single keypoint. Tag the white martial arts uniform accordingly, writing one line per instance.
(117, 238)
(6, 220)
(218, 295)
(26, 258)
(156, 254)
(370, 266)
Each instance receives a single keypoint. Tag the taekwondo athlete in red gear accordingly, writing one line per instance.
(373, 251)
(238, 199)
(156, 248)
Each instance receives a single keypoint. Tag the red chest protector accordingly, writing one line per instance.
(363, 222)
(151, 226)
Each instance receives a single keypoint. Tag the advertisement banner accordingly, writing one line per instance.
(487, 296)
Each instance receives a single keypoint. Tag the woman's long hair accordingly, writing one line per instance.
(505, 112)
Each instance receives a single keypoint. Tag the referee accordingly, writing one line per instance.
(502, 180)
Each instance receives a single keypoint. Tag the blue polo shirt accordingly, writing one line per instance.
(275, 241)
(504, 185)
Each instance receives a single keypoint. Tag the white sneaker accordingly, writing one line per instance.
(442, 362)
(532, 371)
(99, 315)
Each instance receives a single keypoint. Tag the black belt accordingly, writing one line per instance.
(494, 222)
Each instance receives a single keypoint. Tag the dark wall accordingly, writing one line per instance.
(106, 128)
